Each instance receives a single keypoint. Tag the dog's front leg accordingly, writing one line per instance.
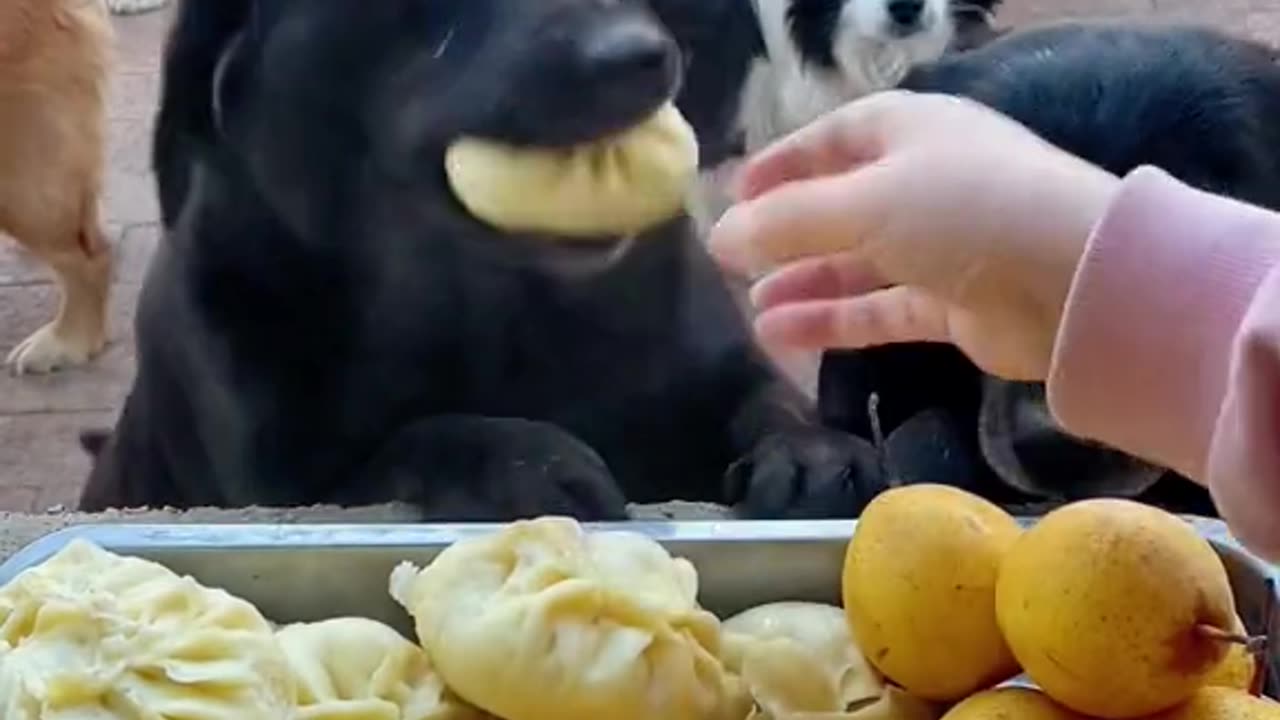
(481, 469)
(920, 403)
(792, 467)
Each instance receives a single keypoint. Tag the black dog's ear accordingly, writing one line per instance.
(230, 71)
(196, 43)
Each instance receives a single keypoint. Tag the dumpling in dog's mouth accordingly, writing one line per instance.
(616, 186)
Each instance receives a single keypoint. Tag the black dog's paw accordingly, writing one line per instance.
(577, 486)
(470, 469)
(805, 474)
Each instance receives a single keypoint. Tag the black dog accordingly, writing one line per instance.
(326, 324)
(1200, 104)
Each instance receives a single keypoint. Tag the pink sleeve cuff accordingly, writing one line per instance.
(1144, 351)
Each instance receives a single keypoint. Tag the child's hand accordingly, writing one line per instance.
(915, 218)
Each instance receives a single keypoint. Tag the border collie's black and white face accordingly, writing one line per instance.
(779, 64)
(868, 43)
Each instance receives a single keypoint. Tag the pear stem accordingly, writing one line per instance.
(1252, 643)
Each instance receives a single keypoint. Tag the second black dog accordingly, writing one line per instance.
(1202, 105)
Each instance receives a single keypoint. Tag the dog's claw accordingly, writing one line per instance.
(46, 352)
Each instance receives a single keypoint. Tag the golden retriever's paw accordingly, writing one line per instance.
(134, 7)
(45, 352)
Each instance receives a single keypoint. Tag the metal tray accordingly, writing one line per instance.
(298, 573)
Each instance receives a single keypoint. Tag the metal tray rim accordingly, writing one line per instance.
(303, 536)
(318, 536)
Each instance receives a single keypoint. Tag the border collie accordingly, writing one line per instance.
(759, 69)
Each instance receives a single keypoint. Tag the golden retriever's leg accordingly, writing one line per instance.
(79, 331)
(53, 113)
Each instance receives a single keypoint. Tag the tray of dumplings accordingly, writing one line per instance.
(934, 604)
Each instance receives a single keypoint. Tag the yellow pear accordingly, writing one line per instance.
(1218, 703)
(1010, 703)
(1240, 667)
(1114, 608)
(919, 590)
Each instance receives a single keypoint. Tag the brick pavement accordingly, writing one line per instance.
(41, 465)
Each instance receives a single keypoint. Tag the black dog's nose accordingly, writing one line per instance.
(906, 13)
(631, 51)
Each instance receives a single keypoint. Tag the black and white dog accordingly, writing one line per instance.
(1201, 104)
(759, 69)
(326, 323)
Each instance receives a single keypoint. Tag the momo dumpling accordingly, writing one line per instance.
(797, 657)
(90, 635)
(360, 669)
(544, 621)
(619, 185)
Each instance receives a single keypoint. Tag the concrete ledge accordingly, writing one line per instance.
(17, 530)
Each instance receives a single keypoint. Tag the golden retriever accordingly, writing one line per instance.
(55, 58)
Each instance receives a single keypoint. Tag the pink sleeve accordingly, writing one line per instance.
(1170, 344)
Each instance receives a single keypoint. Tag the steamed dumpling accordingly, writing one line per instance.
(543, 621)
(798, 657)
(617, 186)
(359, 669)
(90, 635)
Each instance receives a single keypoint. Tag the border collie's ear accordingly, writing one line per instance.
(197, 40)
(975, 23)
(975, 10)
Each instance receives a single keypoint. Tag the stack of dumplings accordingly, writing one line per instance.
(540, 620)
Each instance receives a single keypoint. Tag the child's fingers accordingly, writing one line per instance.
(893, 315)
(834, 143)
(817, 216)
(821, 278)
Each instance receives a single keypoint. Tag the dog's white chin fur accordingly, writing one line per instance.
(134, 7)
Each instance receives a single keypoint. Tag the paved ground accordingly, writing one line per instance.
(41, 465)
